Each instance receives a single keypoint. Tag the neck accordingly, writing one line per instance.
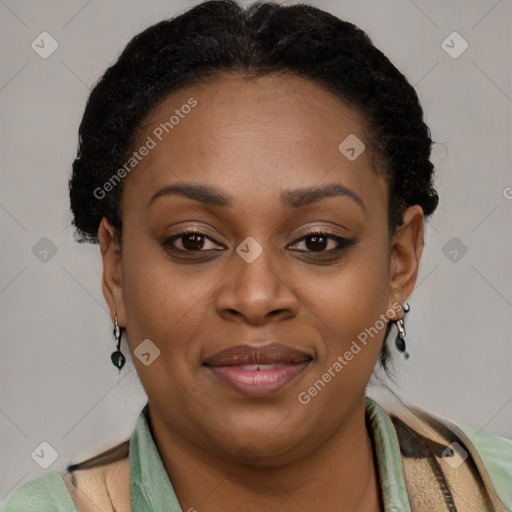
(340, 474)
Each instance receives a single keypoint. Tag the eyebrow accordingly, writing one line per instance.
(289, 198)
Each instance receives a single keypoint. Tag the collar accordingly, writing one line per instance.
(151, 488)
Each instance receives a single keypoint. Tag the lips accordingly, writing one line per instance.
(247, 355)
(258, 371)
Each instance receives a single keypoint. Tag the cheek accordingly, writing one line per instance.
(354, 297)
(151, 295)
(351, 314)
(165, 302)
(352, 307)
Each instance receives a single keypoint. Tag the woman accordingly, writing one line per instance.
(258, 182)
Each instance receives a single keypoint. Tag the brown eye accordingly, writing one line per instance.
(318, 241)
(315, 242)
(191, 241)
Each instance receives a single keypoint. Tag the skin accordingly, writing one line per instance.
(254, 139)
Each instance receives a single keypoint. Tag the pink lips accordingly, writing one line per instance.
(258, 371)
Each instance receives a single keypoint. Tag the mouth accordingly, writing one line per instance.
(258, 371)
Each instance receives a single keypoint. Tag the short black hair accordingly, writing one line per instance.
(220, 36)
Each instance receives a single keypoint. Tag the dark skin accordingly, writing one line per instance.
(254, 139)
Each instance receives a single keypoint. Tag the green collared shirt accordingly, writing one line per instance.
(151, 489)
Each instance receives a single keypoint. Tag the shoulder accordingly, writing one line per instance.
(99, 483)
(464, 461)
(491, 454)
(104, 487)
(46, 493)
(496, 455)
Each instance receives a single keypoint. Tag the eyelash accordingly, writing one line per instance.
(343, 243)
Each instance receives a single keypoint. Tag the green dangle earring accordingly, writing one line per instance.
(400, 338)
(117, 357)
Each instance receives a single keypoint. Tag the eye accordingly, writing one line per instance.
(190, 241)
(317, 241)
(197, 241)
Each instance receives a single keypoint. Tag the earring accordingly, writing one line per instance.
(117, 357)
(400, 338)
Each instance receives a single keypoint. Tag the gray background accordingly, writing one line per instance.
(56, 379)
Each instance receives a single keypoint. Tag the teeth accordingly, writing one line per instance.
(267, 366)
(259, 366)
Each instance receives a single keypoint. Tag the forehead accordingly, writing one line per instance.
(254, 138)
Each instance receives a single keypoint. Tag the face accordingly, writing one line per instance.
(271, 259)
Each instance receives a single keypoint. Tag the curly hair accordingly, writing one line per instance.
(218, 37)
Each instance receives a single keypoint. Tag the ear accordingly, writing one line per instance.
(112, 282)
(406, 249)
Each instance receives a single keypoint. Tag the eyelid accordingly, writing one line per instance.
(319, 229)
(200, 230)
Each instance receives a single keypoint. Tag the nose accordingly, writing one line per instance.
(256, 292)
